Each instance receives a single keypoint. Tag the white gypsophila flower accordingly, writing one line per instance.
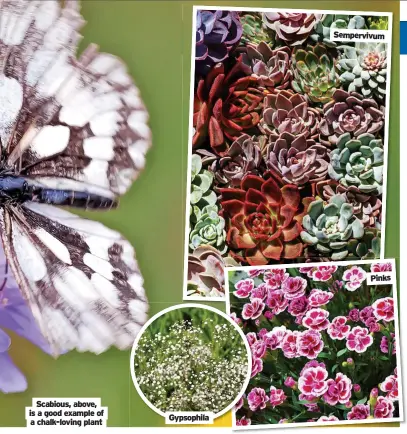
(191, 368)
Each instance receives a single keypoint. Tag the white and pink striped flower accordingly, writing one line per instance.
(338, 329)
(316, 319)
(354, 277)
(313, 381)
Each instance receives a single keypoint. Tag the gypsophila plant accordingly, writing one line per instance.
(191, 359)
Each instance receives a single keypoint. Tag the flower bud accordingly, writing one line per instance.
(373, 397)
(350, 361)
(351, 305)
(358, 391)
(349, 404)
(290, 382)
(269, 315)
(344, 364)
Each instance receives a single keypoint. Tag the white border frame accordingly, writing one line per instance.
(396, 330)
(191, 113)
(186, 306)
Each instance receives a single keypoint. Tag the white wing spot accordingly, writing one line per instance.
(96, 173)
(136, 282)
(98, 265)
(128, 254)
(11, 100)
(60, 327)
(99, 246)
(105, 124)
(106, 290)
(138, 310)
(138, 123)
(50, 140)
(56, 247)
(31, 262)
(101, 148)
(75, 288)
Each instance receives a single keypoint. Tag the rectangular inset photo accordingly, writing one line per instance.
(324, 341)
(288, 140)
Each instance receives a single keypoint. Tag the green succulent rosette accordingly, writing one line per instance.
(363, 69)
(254, 30)
(201, 192)
(315, 73)
(331, 230)
(358, 162)
(209, 230)
(378, 23)
(322, 30)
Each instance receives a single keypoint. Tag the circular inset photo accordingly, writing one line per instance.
(190, 357)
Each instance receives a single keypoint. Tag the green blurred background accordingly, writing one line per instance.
(154, 39)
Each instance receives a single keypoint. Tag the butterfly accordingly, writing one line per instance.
(73, 132)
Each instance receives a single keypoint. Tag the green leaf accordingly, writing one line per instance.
(362, 401)
(334, 367)
(341, 352)
(324, 355)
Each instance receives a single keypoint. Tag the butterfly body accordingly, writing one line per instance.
(73, 132)
(17, 190)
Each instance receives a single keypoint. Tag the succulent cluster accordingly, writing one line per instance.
(288, 140)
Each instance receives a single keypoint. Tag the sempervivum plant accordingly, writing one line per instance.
(270, 67)
(243, 157)
(378, 23)
(322, 30)
(358, 162)
(201, 192)
(289, 112)
(226, 105)
(296, 160)
(331, 230)
(216, 33)
(349, 112)
(263, 220)
(315, 73)
(254, 30)
(291, 28)
(205, 272)
(366, 207)
(364, 69)
(209, 229)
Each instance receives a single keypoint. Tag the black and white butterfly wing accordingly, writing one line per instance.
(80, 278)
(76, 124)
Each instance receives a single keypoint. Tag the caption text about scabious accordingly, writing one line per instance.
(66, 412)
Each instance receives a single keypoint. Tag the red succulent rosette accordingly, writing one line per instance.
(226, 105)
(263, 220)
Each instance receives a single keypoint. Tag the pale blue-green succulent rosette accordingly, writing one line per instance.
(363, 69)
(358, 162)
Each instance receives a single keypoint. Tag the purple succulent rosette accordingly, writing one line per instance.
(216, 33)
(323, 343)
(17, 317)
